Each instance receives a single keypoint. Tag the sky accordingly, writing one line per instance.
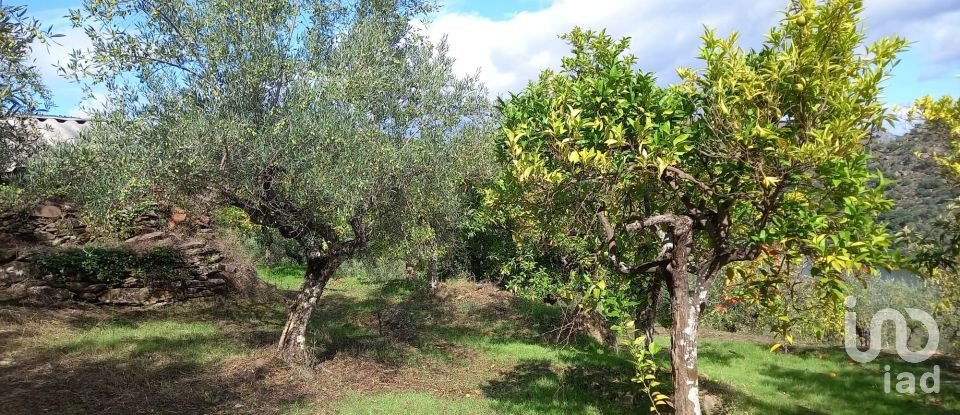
(508, 42)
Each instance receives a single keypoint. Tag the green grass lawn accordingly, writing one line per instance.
(283, 277)
(465, 349)
(817, 381)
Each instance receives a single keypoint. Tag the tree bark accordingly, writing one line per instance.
(685, 311)
(432, 273)
(292, 346)
(646, 317)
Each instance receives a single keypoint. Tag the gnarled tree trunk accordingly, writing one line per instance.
(292, 346)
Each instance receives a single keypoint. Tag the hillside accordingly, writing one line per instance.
(920, 192)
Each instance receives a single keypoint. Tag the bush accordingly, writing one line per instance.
(257, 243)
(112, 264)
(899, 292)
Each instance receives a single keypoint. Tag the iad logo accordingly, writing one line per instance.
(906, 381)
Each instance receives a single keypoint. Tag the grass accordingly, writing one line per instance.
(284, 277)
(464, 349)
(194, 342)
(817, 380)
(413, 403)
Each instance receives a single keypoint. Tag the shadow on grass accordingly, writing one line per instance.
(474, 326)
(128, 374)
(574, 386)
(827, 382)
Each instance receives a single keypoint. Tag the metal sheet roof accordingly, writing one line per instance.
(54, 129)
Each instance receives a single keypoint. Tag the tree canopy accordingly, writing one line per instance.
(937, 256)
(338, 124)
(754, 165)
(22, 91)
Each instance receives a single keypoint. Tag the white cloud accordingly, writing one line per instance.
(89, 105)
(47, 57)
(52, 54)
(665, 34)
(932, 25)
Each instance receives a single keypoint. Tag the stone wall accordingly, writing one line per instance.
(55, 226)
(51, 223)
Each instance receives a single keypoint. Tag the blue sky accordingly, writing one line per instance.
(510, 41)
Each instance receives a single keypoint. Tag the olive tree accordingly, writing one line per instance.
(938, 257)
(337, 124)
(756, 161)
(21, 90)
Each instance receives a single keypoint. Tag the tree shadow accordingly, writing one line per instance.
(583, 375)
(855, 388)
(715, 352)
(153, 375)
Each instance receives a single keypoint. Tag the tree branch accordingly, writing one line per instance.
(652, 267)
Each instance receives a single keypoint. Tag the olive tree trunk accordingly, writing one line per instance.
(293, 340)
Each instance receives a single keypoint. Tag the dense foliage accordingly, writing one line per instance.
(937, 255)
(754, 166)
(112, 264)
(337, 124)
(331, 133)
(21, 90)
(920, 191)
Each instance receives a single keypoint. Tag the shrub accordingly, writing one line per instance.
(258, 243)
(112, 264)
(900, 291)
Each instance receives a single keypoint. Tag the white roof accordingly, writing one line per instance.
(55, 129)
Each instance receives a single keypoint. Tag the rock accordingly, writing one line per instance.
(14, 292)
(14, 272)
(55, 224)
(48, 292)
(128, 296)
(193, 252)
(44, 236)
(200, 283)
(194, 292)
(95, 288)
(192, 244)
(7, 255)
(157, 296)
(152, 236)
(178, 215)
(48, 211)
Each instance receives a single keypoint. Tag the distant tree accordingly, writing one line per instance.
(918, 190)
(21, 89)
(336, 123)
(754, 165)
(937, 256)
